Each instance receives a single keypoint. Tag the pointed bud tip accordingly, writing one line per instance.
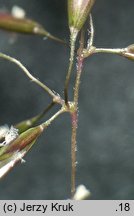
(78, 11)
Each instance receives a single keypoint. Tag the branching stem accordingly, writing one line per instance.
(31, 77)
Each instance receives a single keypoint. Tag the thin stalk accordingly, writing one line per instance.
(46, 34)
(71, 61)
(31, 77)
(49, 121)
(107, 50)
(74, 115)
(91, 32)
(26, 124)
(78, 76)
(45, 111)
(92, 50)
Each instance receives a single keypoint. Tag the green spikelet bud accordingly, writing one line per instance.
(78, 11)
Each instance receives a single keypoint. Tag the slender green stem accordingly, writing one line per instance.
(31, 77)
(71, 61)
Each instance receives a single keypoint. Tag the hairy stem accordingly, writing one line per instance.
(74, 119)
(74, 115)
(78, 76)
(71, 61)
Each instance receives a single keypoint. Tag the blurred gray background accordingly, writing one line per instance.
(106, 111)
